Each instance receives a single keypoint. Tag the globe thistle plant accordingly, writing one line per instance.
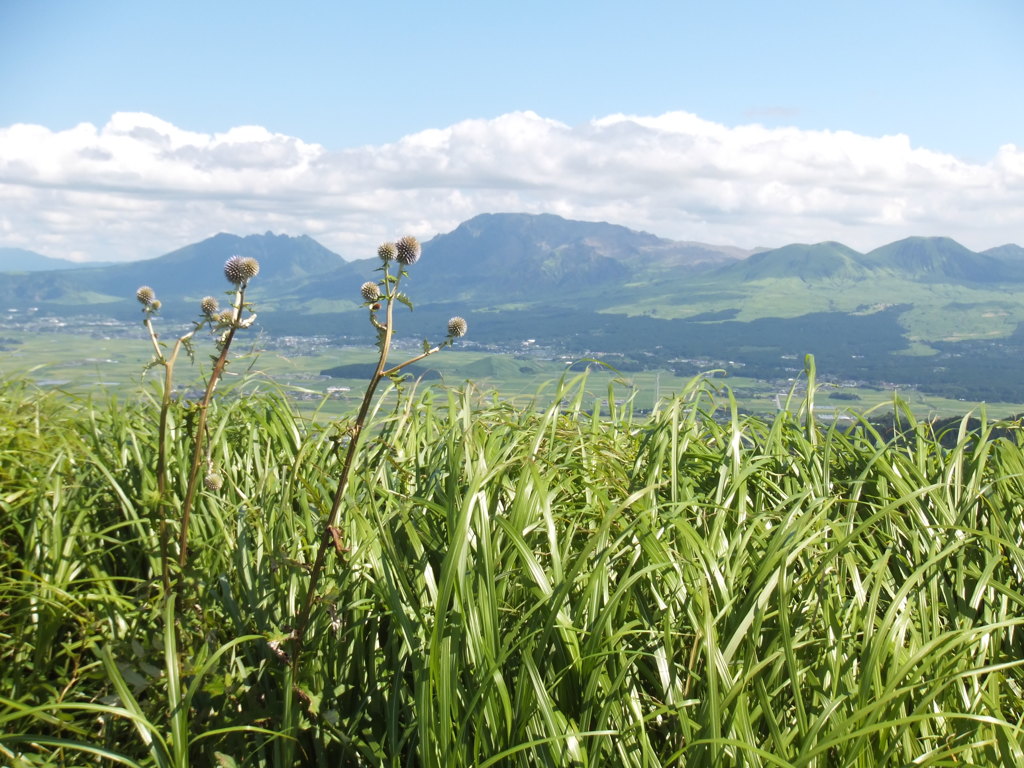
(407, 251)
(370, 291)
(239, 270)
(381, 296)
(457, 327)
(145, 296)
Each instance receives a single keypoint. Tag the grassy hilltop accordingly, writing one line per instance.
(514, 586)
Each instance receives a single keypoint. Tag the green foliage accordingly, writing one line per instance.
(533, 584)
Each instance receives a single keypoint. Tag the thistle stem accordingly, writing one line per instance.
(152, 337)
(302, 622)
(410, 361)
(200, 433)
(385, 338)
(161, 460)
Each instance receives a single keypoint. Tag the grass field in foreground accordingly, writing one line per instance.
(514, 584)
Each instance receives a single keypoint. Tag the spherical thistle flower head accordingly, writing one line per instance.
(145, 296)
(239, 270)
(387, 252)
(226, 317)
(370, 291)
(457, 327)
(209, 306)
(408, 250)
(213, 482)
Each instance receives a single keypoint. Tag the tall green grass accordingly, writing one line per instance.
(537, 584)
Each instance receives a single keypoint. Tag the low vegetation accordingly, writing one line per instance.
(514, 586)
(445, 578)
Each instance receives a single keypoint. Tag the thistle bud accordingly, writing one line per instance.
(226, 317)
(239, 270)
(387, 252)
(408, 250)
(457, 327)
(213, 482)
(370, 291)
(145, 296)
(209, 306)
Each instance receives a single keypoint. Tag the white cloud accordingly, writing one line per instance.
(140, 186)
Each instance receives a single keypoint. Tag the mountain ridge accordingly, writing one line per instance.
(827, 260)
(24, 260)
(922, 310)
(498, 239)
(515, 261)
(934, 259)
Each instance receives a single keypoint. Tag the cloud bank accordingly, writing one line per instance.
(140, 186)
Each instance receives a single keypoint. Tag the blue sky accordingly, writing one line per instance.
(749, 123)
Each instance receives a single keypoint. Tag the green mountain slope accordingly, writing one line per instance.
(523, 257)
(941, 260)
(181, 276)
(1008, 252)
(823, 261)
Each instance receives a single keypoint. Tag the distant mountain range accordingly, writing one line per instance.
(495, 259)
(535, 255)
(592, 287)
(923, 259)
(21, 260)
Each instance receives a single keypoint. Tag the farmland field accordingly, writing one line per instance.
(101, 363)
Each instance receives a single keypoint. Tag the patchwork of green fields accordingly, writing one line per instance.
(936, 312)
(88, 364)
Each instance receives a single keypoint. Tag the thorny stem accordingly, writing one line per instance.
(161, 461)
(200, 433)
(357, 428)
(410, 361)
(153, 337)
(386, 334)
